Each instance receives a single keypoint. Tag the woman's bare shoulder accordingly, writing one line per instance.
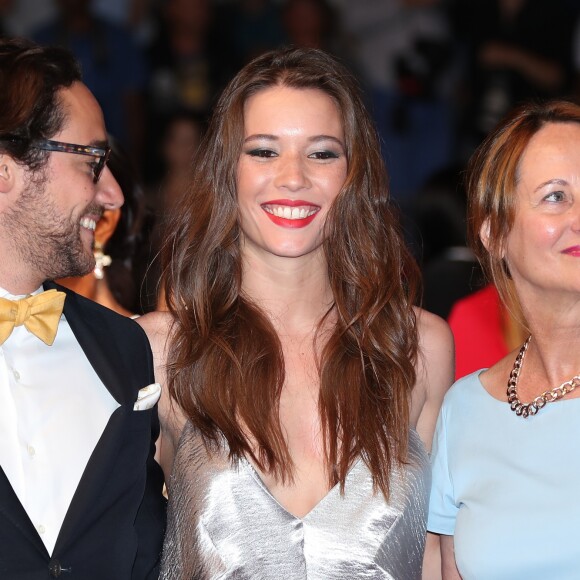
(155, 322)
(434, 333)
(157, 326)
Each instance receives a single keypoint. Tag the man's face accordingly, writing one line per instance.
(54, 218)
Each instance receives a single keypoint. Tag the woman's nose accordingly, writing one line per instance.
(292, 173)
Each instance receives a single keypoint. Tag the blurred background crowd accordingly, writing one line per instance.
(437, 75)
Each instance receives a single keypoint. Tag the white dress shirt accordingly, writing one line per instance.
(53, 410)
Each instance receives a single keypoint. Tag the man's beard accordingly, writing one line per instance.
(49, 243)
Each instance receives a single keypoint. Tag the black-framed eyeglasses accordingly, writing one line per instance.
(102, 153)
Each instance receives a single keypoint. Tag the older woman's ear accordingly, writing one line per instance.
(497, 251)
(484, 232)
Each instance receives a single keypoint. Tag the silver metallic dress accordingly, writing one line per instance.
(223, 523)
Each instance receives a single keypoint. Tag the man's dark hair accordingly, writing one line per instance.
(30, 78)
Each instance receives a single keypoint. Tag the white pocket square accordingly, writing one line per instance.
(147, 397)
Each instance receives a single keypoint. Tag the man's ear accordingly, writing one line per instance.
(8, 171)
(106, 225)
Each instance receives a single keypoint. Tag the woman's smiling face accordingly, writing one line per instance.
(543, 246)
(292, 166)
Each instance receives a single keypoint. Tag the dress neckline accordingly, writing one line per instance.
(316, 507)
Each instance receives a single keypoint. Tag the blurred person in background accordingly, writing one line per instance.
(404, 52)
(255, 26)
(514, 50)
(437, 230)
(114, 68)
(136, 15)
(25, 16)
(178, 145)
(311, 24)
(317, 24)
(5, 9)
(191, 59)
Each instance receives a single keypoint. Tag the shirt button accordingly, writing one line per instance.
(16, 374)
(31, 451)
(54, 568)
(40, 529)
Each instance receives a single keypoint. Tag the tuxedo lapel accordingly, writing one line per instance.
(93, 480)
(92, 333)
(12, 510)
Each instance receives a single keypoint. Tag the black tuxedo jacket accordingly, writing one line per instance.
(114, 526)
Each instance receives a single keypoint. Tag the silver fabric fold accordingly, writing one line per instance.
(223, 523)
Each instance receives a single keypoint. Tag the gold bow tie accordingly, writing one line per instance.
(40, 314)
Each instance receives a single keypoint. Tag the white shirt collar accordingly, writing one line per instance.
(5, 294)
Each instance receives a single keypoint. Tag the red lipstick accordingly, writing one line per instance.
(278, 212)
(572, 251)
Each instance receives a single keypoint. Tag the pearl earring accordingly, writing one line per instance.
(102, 260)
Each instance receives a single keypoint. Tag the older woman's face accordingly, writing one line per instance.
(543, 247)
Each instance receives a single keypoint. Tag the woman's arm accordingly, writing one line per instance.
(448, 565)
(157, 326)
(432, 558)
(435, 372)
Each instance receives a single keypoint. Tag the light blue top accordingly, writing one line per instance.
(507, 488)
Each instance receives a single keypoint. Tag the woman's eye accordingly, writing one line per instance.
(265, 153)
(555, 196)
(324, 155)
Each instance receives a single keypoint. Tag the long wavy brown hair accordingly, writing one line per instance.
(225, 363)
